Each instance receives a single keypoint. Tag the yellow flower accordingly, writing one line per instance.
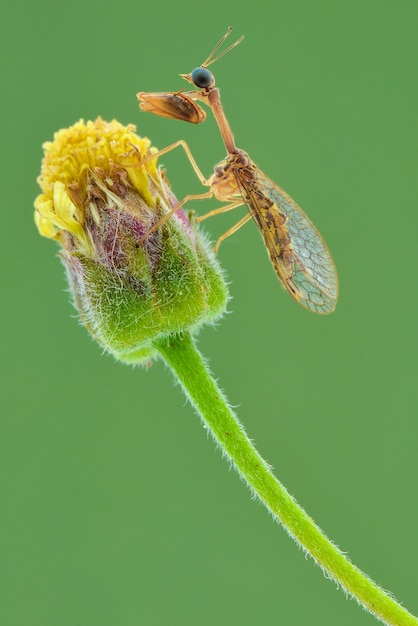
(132, 280)
(76, 152)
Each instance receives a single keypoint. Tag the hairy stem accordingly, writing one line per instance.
(189, 368)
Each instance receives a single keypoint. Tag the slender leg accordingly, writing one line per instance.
(222, 209)
(232, 230)
(202, 196)
(189, 155)
(199, 196)
(197, 171)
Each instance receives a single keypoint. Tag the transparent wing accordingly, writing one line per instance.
(297, 251)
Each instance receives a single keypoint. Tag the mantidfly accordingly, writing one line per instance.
(298, 254)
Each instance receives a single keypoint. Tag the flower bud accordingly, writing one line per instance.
(102, 194)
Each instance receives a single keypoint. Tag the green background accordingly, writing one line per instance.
(116, 508)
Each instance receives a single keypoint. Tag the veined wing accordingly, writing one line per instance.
(297, 251)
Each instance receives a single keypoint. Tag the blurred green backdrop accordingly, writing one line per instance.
(116, 508)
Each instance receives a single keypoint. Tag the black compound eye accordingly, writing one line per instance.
(201, 77)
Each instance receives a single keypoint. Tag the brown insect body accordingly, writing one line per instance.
(297, 251)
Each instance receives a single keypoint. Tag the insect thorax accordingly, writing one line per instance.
(223, 181)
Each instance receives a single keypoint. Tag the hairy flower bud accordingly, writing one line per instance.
(102, 194)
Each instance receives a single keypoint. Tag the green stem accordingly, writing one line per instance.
(181, 354)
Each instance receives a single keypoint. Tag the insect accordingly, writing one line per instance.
(297, 251)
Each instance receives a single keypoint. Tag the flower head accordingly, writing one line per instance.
(102, 194)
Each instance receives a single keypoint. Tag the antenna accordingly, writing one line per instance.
(210, 60)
